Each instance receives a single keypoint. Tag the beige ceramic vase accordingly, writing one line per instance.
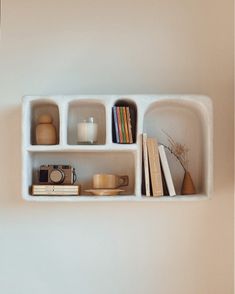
(45, 131)
(188, 187)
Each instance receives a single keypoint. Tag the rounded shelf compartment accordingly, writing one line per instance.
(81, 110)
(186, 123)
(126, 102)
(38, 108)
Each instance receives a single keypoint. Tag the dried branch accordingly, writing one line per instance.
(178, 150)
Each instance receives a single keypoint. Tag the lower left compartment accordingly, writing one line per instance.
(100, 173)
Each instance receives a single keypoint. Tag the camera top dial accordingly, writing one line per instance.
(57, 176)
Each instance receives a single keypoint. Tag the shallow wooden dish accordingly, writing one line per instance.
(104, 192)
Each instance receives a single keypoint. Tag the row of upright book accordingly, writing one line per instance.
(157, 179)
(124, 125)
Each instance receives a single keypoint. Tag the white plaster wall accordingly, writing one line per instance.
(107, 46)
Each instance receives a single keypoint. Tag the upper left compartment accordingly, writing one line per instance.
(42, 118)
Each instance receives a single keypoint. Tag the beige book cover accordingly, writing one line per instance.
(55, 190)
(146, 165)
(155, 168)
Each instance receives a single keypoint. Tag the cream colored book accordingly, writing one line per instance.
(146, 165)
(166, 171)
(154, 167)
(55, 190)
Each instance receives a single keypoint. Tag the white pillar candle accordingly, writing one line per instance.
(87, 131)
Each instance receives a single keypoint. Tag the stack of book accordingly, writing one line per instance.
(123, 124)
(157, 179)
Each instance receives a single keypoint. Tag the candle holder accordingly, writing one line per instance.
(87, 132)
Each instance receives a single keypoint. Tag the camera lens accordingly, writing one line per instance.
(57, 176)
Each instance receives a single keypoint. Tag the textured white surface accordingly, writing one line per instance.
(188, 118)
(125, 46)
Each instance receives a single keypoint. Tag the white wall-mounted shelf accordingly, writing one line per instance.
(187, 118)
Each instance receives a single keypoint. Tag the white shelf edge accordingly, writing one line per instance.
(125, 198)
(82, 148)
(196, 197)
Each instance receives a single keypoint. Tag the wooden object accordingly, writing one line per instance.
(45, 131)
(188, 187)
(104, 192)
(105, 181)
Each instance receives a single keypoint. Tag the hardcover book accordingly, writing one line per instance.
(55, 190)
(125, 124)
(146, 165)
(122, 124)
(119, 124)
(129, 125)
(115, 119)
(155, 168)
(166, 171)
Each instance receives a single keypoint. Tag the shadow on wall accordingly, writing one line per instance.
(10, 150)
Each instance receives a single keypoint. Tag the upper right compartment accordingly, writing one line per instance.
(184, 122)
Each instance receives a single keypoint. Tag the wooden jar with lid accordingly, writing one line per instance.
(45, 131)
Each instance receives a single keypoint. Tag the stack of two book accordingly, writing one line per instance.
(55, 190)
(157, 179)
(123, 124)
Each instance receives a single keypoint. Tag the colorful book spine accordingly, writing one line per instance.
(116, 124)
(119, 124)
(125, 125)
(122, 124)
(129, 125)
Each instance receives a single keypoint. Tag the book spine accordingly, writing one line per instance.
(129, 125)
(155, 169)
(122, 125)
(164, 185)
(166, 171)
(125, 125)
(146, 165)
(133, 122)
(119, 124)
(116, 123)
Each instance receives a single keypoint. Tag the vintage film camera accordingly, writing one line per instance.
(57, 175)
